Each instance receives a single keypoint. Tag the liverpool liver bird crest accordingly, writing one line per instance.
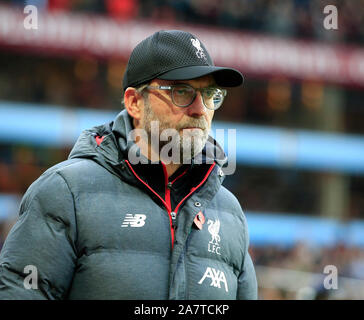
(214, 228)
(199, 53)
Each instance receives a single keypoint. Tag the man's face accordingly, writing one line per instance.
(192, 123)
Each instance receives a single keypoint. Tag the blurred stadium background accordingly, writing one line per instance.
(299, 116)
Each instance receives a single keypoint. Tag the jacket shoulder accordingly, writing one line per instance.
(73, 165)
(47, 186)
(230, 201)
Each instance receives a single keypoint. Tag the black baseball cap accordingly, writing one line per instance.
(175, 55)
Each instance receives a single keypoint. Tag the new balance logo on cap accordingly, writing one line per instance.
(134, 221)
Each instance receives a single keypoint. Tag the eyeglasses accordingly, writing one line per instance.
(183, 95)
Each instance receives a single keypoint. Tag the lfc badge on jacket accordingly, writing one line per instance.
(214, 243)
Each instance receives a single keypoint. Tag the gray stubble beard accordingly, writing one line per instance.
(189, 144)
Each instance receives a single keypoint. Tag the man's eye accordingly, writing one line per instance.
(209, 93)
(182, 91)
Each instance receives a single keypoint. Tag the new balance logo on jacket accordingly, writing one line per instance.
(134, 221)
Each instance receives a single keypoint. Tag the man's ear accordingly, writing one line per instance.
(133, 103)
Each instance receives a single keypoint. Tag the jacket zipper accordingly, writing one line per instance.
(172, 214)
(168, 186)
(167, 202)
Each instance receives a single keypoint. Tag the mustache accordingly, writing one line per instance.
(198, 123)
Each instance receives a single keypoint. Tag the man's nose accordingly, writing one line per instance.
(197, 108)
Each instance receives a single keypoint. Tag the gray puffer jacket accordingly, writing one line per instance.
(99, 227)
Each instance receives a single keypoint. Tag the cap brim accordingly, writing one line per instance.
(225, 77)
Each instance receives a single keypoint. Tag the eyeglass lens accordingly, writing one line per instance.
(183, 95)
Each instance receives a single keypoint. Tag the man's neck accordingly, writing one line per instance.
(172, 168)
(151, 154)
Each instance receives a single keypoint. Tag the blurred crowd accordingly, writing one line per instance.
(291, 18)
(82, 82)
(277, 280)
(20, 165)
(85, 82)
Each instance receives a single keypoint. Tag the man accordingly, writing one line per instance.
(138, 210)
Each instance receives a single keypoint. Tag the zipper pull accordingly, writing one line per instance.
(169, 185)
(173, 216)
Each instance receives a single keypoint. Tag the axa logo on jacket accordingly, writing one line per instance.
(216, 277)
(134, 221)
